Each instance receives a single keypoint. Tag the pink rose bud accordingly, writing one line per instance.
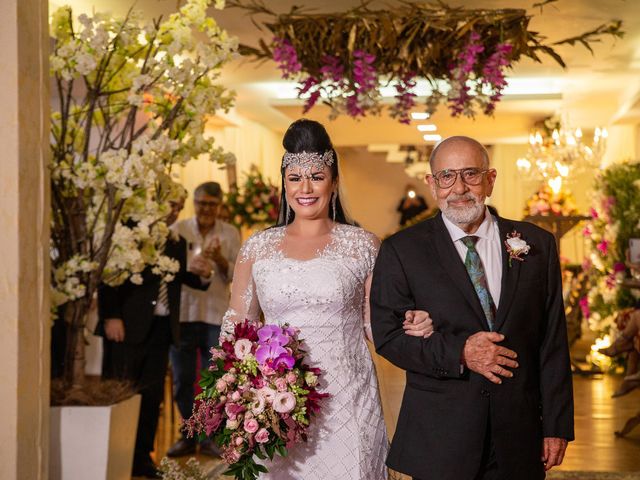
(239, 441)
(229, 377)
(291, 378)
(251, 425)
(262, 436)
(235, 396)
(281, 384)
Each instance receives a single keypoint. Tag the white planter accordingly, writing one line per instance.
(93, 442)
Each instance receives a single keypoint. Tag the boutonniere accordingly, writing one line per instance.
(516, 247)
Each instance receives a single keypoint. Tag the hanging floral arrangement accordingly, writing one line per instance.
(256, 202)
(615, 218)
(547, 202)
(343, 59)
(131, 101)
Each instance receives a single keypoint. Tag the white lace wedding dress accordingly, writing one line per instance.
(325, 298)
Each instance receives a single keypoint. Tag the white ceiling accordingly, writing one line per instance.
(603, 89)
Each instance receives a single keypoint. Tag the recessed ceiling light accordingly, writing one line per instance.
(428, 127)
(432, 137)
(419, 115)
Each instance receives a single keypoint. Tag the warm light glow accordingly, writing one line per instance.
(555, 184)
(523, 164)
(432, 137)
(419, 115)
(428, 127)
(563, 170)
(411, 194)
(598, 359)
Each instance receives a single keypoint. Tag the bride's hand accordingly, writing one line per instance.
(417, 323)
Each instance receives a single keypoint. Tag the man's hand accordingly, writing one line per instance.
(200, 266)
(483, 356)
(553, 451)
(417, 323)
(114, 329)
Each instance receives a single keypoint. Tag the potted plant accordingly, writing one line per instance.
(131, 101)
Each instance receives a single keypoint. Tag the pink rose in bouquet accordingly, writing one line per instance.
(258, 397)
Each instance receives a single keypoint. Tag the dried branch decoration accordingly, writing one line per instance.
(343, 58)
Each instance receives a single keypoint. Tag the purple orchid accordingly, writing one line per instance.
(285, 359)
(272, 334)
(285, 55)
(265, 353)
(405, 98)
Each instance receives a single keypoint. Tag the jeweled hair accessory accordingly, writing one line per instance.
(310, 159)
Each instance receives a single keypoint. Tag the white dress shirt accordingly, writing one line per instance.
(489, 249)
(208, 306)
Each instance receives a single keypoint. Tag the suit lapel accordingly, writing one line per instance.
(451, 263)
(510, 275)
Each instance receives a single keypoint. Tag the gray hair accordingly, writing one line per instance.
(462, 139)
(212, 189)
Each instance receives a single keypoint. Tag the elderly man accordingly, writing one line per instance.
(201, 312)
(489, 393)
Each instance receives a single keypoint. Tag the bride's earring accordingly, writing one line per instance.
(334, 199)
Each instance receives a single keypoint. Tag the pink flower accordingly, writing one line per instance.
(257, 406)
(229, 377)
(281, 384)
(269, 394)
(238, 441)
(251, 425)
(262, 436)
(291, 378)
(593, 212)
(231, 456)
(242, 348)
(586, 231)
(618, 267)
(584, 306)
(284, 402)
(235, 396)
(603, 246)
(221, 385)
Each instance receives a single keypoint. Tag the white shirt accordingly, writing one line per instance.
(210, 305)
(489, 249)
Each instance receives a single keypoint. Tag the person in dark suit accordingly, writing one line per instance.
(489, 393)
(138, 323)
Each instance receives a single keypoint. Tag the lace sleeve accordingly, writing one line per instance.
(244, 302)
(370, 252)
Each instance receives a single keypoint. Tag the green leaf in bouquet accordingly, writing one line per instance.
(270, 448)
(282, 451)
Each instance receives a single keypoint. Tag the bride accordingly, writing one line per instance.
(313, 271)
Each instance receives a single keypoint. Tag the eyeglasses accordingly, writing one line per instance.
(470, 176)
(205, 203)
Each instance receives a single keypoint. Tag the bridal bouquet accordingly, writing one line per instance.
(258, 397)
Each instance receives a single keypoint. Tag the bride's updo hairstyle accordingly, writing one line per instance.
(309, 136)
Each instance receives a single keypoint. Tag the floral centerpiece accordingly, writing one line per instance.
(546, 201)
(259, 397)
(255, 203)
(342, 59)
(132, 98)
(615, 218)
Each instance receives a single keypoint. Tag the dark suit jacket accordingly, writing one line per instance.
(445, 412)
(135, 304)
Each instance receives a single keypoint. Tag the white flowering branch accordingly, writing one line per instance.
(134, 98)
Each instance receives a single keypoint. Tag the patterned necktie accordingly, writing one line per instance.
(478, 277)
(163, 296)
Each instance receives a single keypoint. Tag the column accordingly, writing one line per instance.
(24, 240)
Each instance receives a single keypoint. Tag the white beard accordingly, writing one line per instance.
(467, 215)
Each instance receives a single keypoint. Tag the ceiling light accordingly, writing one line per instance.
(419, 115)
(429, 127)
(432, 137)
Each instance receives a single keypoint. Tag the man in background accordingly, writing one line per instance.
(138, 323)
(202, 311)
(411, 205)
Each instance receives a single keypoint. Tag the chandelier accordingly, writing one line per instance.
(558, 154)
